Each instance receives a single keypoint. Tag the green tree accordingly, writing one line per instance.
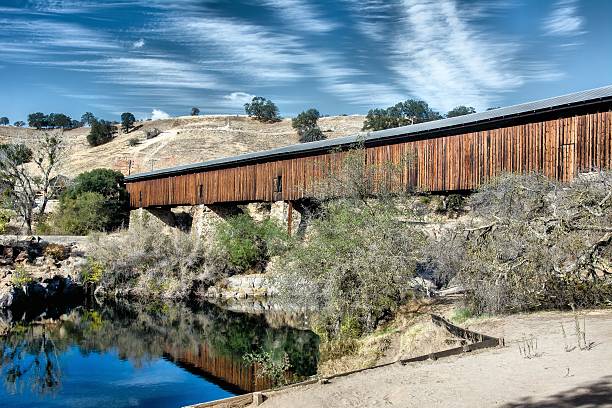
(262, 109)
(127, 121)
(37, 120)
(110, 184)
(101, 132)
(403, 113)
(18, 153)
(19, 123)
(306, 125)
(460, 111)
(88, 118)
(83, 214)
(195, 111)
(59, 120)
(4, 121)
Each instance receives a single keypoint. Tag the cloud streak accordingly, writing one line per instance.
(564, 20)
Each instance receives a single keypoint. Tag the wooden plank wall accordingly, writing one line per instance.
(557, 148)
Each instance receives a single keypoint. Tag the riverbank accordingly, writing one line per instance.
(549, 376)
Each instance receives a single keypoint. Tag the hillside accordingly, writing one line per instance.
(184, 140)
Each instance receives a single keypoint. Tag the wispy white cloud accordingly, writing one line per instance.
(159, 114)
(564, 19)
(139, 43)
(238, 98)
(301, 15)
(231, 44)
(54, 36)
(440, 57)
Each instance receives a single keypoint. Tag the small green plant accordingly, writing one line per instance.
(5, 218)
(21, 277)
(462, 314)
(248, 242)
(133, 141)
(92, 272)
(268, 367)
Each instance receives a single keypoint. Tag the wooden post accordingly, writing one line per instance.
(289, 217)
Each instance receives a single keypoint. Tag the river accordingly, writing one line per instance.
(152, 355)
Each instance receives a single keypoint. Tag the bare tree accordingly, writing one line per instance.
(31, 176)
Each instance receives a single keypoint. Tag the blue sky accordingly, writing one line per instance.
(345, 56)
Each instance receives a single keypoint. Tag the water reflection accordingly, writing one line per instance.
(208, 342)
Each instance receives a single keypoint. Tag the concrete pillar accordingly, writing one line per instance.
(279, 211)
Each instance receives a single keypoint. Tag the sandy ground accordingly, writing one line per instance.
(499, 377)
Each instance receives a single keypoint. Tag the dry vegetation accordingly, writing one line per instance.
(183, 140)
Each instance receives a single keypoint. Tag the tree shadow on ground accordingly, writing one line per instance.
(595, 394)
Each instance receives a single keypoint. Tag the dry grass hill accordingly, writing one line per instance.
(184, 140)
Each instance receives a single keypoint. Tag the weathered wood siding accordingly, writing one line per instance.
(557, 148)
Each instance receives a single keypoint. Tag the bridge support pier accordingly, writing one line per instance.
(205, 217)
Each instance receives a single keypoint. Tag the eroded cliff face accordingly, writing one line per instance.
(36, 275)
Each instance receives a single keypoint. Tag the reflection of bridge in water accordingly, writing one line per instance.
(231, 374)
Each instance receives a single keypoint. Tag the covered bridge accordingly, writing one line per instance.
(557, 137)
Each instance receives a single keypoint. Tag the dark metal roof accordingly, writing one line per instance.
(544, 105)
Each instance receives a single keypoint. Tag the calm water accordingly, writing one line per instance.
(159, 357)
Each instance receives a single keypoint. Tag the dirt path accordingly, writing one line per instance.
(498, 377)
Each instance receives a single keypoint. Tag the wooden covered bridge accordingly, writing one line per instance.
(557, 137)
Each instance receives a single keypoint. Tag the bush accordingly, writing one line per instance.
(144, 262)
(151, 133)
(534, 244)
(82, 214)
(356, 266)
(267, 367)
(5, 218)
(249, 243)
(21, 276)
(108, 183)
(57, 252)
(133, 141)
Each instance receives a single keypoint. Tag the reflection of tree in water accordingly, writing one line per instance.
(142, 334)
(30, 359)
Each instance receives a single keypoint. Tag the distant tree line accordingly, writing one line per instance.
(409, 112)
(39, 120)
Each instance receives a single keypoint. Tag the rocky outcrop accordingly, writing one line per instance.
(35, 275)
(242, 287)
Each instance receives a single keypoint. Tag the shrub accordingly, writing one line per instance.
(144, 262)
(534, 244)
(57, 252)
(133, 141)
(20, 276)
(92, 272)
(268, 367)
(108, 183)
(151, 133)
(5, 218)
(248, 243)
(82, 214)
